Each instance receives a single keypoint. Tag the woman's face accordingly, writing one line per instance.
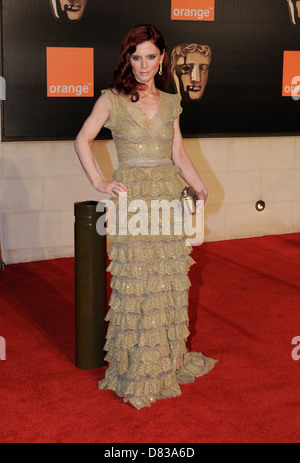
(145, 62)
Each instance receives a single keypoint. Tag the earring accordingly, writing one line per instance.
(160, 72)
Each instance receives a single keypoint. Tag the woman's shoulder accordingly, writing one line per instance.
(110, 90)
(110, 93)
(173, 102)
(171, 96)
(111, 97)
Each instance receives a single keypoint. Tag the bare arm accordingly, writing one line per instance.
(87, 134)
(181, 159)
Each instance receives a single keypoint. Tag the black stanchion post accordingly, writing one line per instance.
(90, 286)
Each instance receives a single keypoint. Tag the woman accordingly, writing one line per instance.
(146, 349)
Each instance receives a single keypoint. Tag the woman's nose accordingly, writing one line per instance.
(143, 63)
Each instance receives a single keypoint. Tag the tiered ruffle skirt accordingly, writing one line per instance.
(148, 316)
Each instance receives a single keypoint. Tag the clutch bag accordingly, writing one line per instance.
(188, 199)
(193, 222)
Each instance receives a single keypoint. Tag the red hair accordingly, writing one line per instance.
(124, 80)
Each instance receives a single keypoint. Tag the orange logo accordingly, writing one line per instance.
(70, 71)
(193, 10)
(291, 74)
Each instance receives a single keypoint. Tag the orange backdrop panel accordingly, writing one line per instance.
(70, 71)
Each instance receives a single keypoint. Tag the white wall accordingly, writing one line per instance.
(41, 181)
(240, 171)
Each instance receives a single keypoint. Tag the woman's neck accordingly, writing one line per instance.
(148, 89)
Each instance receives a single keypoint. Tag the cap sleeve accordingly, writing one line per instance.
(111, 121)
(177, 109)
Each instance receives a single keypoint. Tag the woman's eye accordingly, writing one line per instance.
(135, 58)
(151, 56)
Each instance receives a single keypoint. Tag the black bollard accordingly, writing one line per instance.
(90, 286)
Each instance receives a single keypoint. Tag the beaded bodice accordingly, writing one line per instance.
(140, 140)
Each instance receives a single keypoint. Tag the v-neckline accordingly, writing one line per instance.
(158, 107)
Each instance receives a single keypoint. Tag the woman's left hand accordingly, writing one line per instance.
(202, 193)
(199, 205)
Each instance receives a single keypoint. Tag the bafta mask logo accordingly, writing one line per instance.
(68, 10)
(189, 69)
(294, 11)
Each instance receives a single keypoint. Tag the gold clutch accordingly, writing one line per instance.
(188, 199)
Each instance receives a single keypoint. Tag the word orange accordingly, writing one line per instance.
(70, 71)
(193, 10)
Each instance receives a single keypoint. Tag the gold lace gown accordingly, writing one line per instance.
(148, 316)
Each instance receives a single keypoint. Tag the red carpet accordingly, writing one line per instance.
(244, 310)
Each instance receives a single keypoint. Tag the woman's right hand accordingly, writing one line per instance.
(112, 187)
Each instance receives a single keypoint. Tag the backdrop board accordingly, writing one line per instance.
(236, 63)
